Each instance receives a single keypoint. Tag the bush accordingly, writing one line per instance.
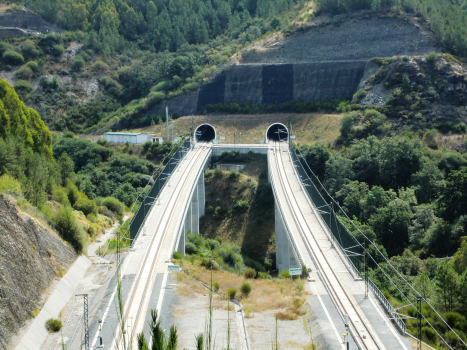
(9, 183)
(212, 244)
(78, 64)
(23, 86)
(32, 65)
(285, 274)
(215, 286)
(249, 273)
(177, 255)
(57, 51)
(53, 325)
(218, 213)
(24, 73)
(13, 57)
(99, 66)
(262, 275)
(245, 288)
(5, 47)
(29, 49)
(114, 205)
(68, 227)
(231, 293)
(432, 57)
(190, 248)
(87, 206)
(234, 175)
(218, 173)
(60, 195)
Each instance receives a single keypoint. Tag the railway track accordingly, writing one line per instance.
(136, 304)
(364, 336)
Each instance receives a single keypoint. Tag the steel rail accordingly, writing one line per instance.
(135, 284)
(302, 230)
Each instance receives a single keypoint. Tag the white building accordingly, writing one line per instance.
(123, 137)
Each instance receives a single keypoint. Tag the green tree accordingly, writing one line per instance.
(66, 166)
(424, 285)
(453, 200)
(446, 284)
(391, 225)
(423, 220)
(427, 182)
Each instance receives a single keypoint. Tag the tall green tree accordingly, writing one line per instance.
(446, 284)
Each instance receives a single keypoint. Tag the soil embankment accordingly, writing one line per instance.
(20, 23)
(324, 60)
(31, 257)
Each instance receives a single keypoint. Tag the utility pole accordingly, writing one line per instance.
(419, 323)
(167, 120)
(172, 130)
(365, 270)
(85, 321)
(234, 138)
(192, 131)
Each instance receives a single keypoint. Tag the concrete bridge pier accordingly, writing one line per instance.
(195, 210)
(285, 257)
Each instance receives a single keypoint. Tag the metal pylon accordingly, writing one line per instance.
(419, 323)
(85, 321)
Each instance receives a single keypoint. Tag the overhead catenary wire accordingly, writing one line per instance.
(386, 260)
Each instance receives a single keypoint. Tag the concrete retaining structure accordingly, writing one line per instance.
(37, 333)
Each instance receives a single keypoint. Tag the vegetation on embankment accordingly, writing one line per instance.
(230, 276)
(240, 207)
(74, 190)
(119, 59)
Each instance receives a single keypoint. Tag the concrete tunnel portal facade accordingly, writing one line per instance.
(205, 133)
(277, 132)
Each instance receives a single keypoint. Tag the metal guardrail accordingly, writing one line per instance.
(148, 202)
(344, 239)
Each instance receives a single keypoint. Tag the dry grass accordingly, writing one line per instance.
(277, 295)
(309, 127)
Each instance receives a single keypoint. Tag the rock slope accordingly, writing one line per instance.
(31, 257)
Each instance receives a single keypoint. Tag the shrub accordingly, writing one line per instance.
(231, 293)
(177, 255)
(33, 65)
(262, 275)
(215, 286)
(190, 248)
(57, 51)
(53, 325)
(218, 173)
(68, 227)
(99, 66)
(212, 244)
(9, 183)
(114, 205)
(358, 96)
(60, 195)
(13, 57)
(24, 73)
(29, 49)
(461, 127)
(249, 273)
(5, 47)
(285, 274)
(78, 64)
(218, 213)
(234, 175)
(155, 97)
(432, 57)
(23, 86)
(245, 288)
(87, 206)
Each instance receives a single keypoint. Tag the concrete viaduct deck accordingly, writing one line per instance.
(301, 239)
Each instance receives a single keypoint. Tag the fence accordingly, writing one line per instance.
(148, 201)
(347, 242)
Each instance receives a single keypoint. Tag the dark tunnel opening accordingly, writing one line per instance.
(277, 132)
(205, 133)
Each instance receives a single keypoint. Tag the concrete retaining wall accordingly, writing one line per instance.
(37, 333)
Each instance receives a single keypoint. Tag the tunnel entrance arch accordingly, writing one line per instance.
(277, 132)
(205, 133)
